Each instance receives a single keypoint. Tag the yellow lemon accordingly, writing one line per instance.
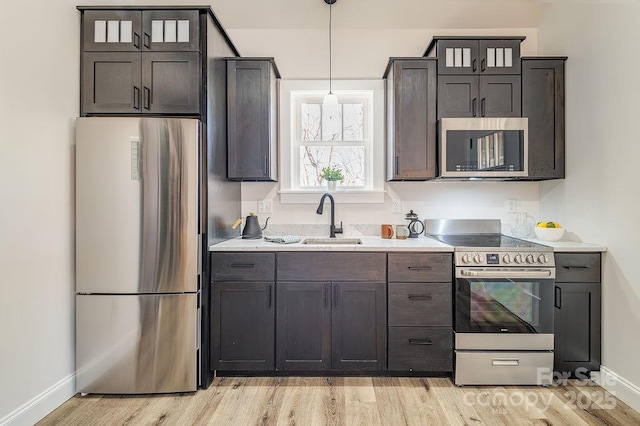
(541, 224)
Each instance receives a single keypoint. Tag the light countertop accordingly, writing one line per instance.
(420, 244)
(569, 246)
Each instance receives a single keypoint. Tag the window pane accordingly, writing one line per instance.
(353, 122)
(310, 122)
(332, 122)
(350, 159)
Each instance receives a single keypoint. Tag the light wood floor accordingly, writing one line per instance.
(240, 401)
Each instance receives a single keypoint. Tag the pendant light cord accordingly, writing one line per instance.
(330, 44)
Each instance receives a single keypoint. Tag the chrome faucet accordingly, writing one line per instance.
(333, 230)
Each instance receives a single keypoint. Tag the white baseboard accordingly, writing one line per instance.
(36, 409)
(620, 387)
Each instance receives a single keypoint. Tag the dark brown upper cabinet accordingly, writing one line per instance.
(411, 92)
(252, 130)
(139, 61)
(478, 77)
(479, 96)
(492, 55)
(543, 104)
(135, 30)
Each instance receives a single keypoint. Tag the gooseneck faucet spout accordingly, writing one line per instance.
(333, 230)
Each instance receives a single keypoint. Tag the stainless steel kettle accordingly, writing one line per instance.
(252, 229)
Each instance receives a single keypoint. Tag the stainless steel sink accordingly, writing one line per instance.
(332, 241)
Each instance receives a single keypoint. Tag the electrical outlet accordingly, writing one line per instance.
(265, 206)
(511, 206)
(396, 206)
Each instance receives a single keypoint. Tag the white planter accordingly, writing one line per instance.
(331, 185)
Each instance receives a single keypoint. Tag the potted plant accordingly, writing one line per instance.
(332, 175)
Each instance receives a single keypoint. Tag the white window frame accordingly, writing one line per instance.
(292, 92)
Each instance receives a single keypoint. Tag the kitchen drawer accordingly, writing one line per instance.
(578, 267)
(420, 304)
(236, 266)
(420, 267)
(420, 349)
(503, 368)
(331, 266)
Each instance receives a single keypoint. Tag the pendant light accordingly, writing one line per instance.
(330, 98)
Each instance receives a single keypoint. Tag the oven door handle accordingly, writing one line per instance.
(506, 273)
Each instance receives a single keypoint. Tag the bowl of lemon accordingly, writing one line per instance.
(549, 231)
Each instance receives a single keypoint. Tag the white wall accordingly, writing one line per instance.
(38, 101)
(363, 54)
(599, 199)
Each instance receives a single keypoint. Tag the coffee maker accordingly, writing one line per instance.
(416, 227)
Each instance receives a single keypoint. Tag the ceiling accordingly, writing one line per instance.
(372, 14)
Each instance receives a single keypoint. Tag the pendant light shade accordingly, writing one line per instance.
(330, 98)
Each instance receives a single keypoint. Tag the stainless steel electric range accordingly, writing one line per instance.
(504, 300)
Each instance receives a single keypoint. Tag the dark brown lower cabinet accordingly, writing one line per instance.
(577, 327)
(331, 326)
(304, 326)
(242, 322)
(577, 313)
(421, 349)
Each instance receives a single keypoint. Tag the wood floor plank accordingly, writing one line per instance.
(239, 401)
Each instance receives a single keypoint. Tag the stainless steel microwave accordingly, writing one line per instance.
(484, 147)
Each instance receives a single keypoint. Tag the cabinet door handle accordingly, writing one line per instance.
(242, 265)
(335, 296)
(475, 65)
(420, 268)
(147, 97)
(397, 164)
(269, 296)
(576, 267)
(557, 302)
(483, 65)
(136, 40)
(326, 295)
(136, 97)
(147, 41)
(474, 107)
(420, 297)
(482, 106)
(266, 165)
(423, 342)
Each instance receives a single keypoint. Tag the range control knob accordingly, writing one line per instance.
(518, 258)
(507, 258)
(477, 258)
(466, 258)
(543, 258)
(530, 258)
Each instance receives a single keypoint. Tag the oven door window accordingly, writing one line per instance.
(504, 305)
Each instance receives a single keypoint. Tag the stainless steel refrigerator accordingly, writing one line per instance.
(138, 254)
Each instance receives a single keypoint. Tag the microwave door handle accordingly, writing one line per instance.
(505, 273)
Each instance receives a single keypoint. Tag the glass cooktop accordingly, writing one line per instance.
(484, 241)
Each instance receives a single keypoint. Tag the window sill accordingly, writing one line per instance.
(340, 195)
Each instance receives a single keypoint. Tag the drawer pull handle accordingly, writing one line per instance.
(420, 268)
(420, 297)
(423, 342)
(576, 267)
(509, 362)
(242, 265)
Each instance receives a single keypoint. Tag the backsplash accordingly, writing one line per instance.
(430, 200)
